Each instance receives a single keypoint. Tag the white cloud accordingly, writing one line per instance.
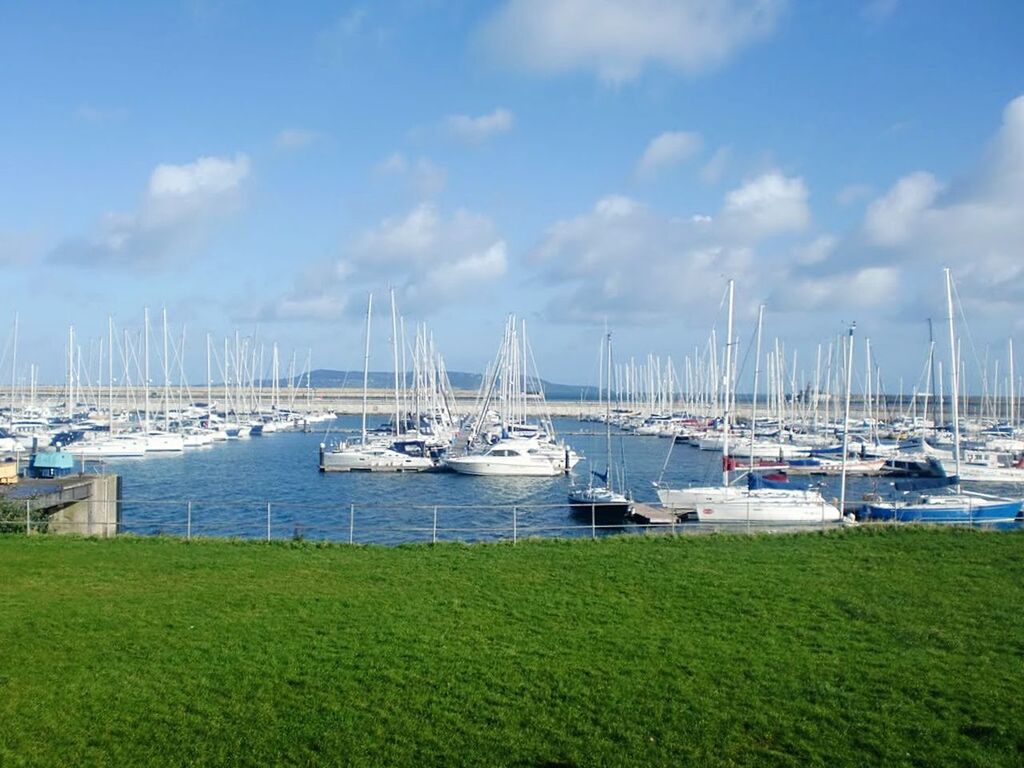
(424, 178)
(865, 288)
(617, 39)
(668, 149)
(431, 259)
(625, 262)
(393, 164)
(769, 204)
(296, 138)
(476, 130)
(815, 251)
(971, 224)
(403, 236)
(714, 169)
(891, 219)
(179, 205)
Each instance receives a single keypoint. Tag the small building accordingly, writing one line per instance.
(51, 464)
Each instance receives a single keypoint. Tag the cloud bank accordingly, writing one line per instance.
(617, 39)
(179, 206)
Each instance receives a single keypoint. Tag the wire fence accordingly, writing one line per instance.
(352, 523)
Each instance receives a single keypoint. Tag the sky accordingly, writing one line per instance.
(263, 167)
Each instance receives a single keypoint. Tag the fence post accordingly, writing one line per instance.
(515, 531)
(188, 522)
(593, 521)
(28, 517)
(351, 521)
(433, 539)
(268, 521)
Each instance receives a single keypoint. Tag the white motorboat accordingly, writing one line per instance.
(116, 447)
(371, 457)
(511, 457)
(164, 442)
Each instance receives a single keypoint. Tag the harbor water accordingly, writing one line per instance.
(270, 486)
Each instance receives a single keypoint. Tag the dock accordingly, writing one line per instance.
(651, 515)
(84, 504)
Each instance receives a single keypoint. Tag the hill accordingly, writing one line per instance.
(331, 379)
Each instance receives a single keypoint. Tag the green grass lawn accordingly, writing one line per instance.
(861, 647)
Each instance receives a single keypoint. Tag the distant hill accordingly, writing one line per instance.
(328, 379)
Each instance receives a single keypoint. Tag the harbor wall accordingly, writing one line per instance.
(349, 401)
(95, 509)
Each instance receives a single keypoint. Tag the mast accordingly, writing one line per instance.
(167, 379)
(110, 373)
(394, 354)
(728, 375)
(846, 418)
(145, 344)
(1011, 393)
(14, 368)
(757, 375)
(366, 362)
(608, 412)
(954, 376)
(209, 385)
(931, 372)
(71, 371)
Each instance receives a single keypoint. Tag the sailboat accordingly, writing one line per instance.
(506, 443)
(732, 504)
(603, 500)
(377, 455)
(956, 507)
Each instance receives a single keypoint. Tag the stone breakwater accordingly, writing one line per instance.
(346, 401)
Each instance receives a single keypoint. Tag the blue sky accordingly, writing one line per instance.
(263, 168)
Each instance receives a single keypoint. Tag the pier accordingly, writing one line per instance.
(85, 504)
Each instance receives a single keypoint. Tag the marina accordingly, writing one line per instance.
(227, 489)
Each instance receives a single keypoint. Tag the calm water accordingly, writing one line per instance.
(231, 484)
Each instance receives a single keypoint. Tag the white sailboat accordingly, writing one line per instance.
(506, 442)
(730, 504)
(958, 506)
(377, 455)
(603, 500)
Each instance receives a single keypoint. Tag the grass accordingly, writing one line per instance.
(896, 647)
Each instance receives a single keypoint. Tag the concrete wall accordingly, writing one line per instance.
(99, 514)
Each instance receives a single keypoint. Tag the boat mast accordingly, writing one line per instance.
(954, 376)
(1011, 411)
(110, 373)
(167, 380)
(14, 369)
(608, 411)
(145, 344)
(846, 418)
(394, 354)
(366, 362)
(757, 374)
(209, 386)
(728, 374)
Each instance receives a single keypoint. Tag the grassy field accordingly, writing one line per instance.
(862, 647)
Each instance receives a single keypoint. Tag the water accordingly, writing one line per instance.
(226, 489)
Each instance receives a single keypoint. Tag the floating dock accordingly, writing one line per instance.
(651, 515)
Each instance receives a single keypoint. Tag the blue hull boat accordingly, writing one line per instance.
(944, 509)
